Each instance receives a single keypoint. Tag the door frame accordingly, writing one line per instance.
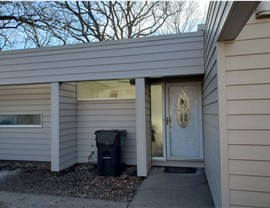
(166, 126)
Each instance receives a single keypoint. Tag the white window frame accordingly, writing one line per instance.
(22, 126)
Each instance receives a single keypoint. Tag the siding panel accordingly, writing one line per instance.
(251, 30)
(248, 47)
(254, 61)
(248, 107)
(216, 17)
(249, 198)
(189, 51)
(68, 125)
(249, 137)
(248, 101)
(248, 121)
(105, 114)
(252, 168)
(19, 143)
(153, 56)
(256, 76)
(75, 50)
(249, 152)
(248, 92)
(249, 183)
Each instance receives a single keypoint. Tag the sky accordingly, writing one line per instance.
(203, 8)
(203, 4)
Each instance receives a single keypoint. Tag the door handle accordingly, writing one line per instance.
(168, 120)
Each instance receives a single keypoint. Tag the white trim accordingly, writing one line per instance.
(198, 85)
(55, 93)
(164, 122)
(223, 134)
(166, 114)
(141, 143)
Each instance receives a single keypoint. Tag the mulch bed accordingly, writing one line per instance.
(81, 180)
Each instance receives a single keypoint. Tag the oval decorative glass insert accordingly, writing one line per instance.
(183, 109)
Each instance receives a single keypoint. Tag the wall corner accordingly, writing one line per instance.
(55, 156)
(223, 134)
(141, 128)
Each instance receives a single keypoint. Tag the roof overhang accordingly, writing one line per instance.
(239, 14)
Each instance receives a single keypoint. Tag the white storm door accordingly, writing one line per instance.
(184, 121)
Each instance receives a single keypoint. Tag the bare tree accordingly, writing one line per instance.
(39, 24)
(25, 24)
(98, 20)
(187, 17)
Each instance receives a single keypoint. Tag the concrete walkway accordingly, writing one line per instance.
(26, 200)
(157, 190)
(170, 190)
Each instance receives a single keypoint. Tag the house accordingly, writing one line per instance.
(199, 99)
(235, 104)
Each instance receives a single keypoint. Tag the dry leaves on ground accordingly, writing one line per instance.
(80, 180)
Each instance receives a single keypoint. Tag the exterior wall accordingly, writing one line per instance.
(105, 114)
(143, 126)
(148, 124)
(216, 17)
(32, 144)
(180, 54)
(55, 118)
(67, 125)
(248, 114)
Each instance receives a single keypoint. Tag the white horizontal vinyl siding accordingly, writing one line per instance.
(105, 114)
(180, 54)
(216, 16)
(26, 143)
(67, 125)
(248, 115)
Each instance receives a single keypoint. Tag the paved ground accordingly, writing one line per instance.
(173, 190)
(157, 190)
(20, 200)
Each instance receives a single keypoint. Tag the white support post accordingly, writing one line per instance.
(141, 128)
(55, 127)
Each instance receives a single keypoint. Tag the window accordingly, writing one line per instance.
(183, 109)
(21, 120)
(100, 90)
(157, 121)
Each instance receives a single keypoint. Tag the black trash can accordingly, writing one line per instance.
(109, 143)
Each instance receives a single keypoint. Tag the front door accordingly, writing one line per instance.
(184, 121)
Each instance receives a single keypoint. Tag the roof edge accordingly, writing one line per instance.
(104, 43)
(239, 14)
